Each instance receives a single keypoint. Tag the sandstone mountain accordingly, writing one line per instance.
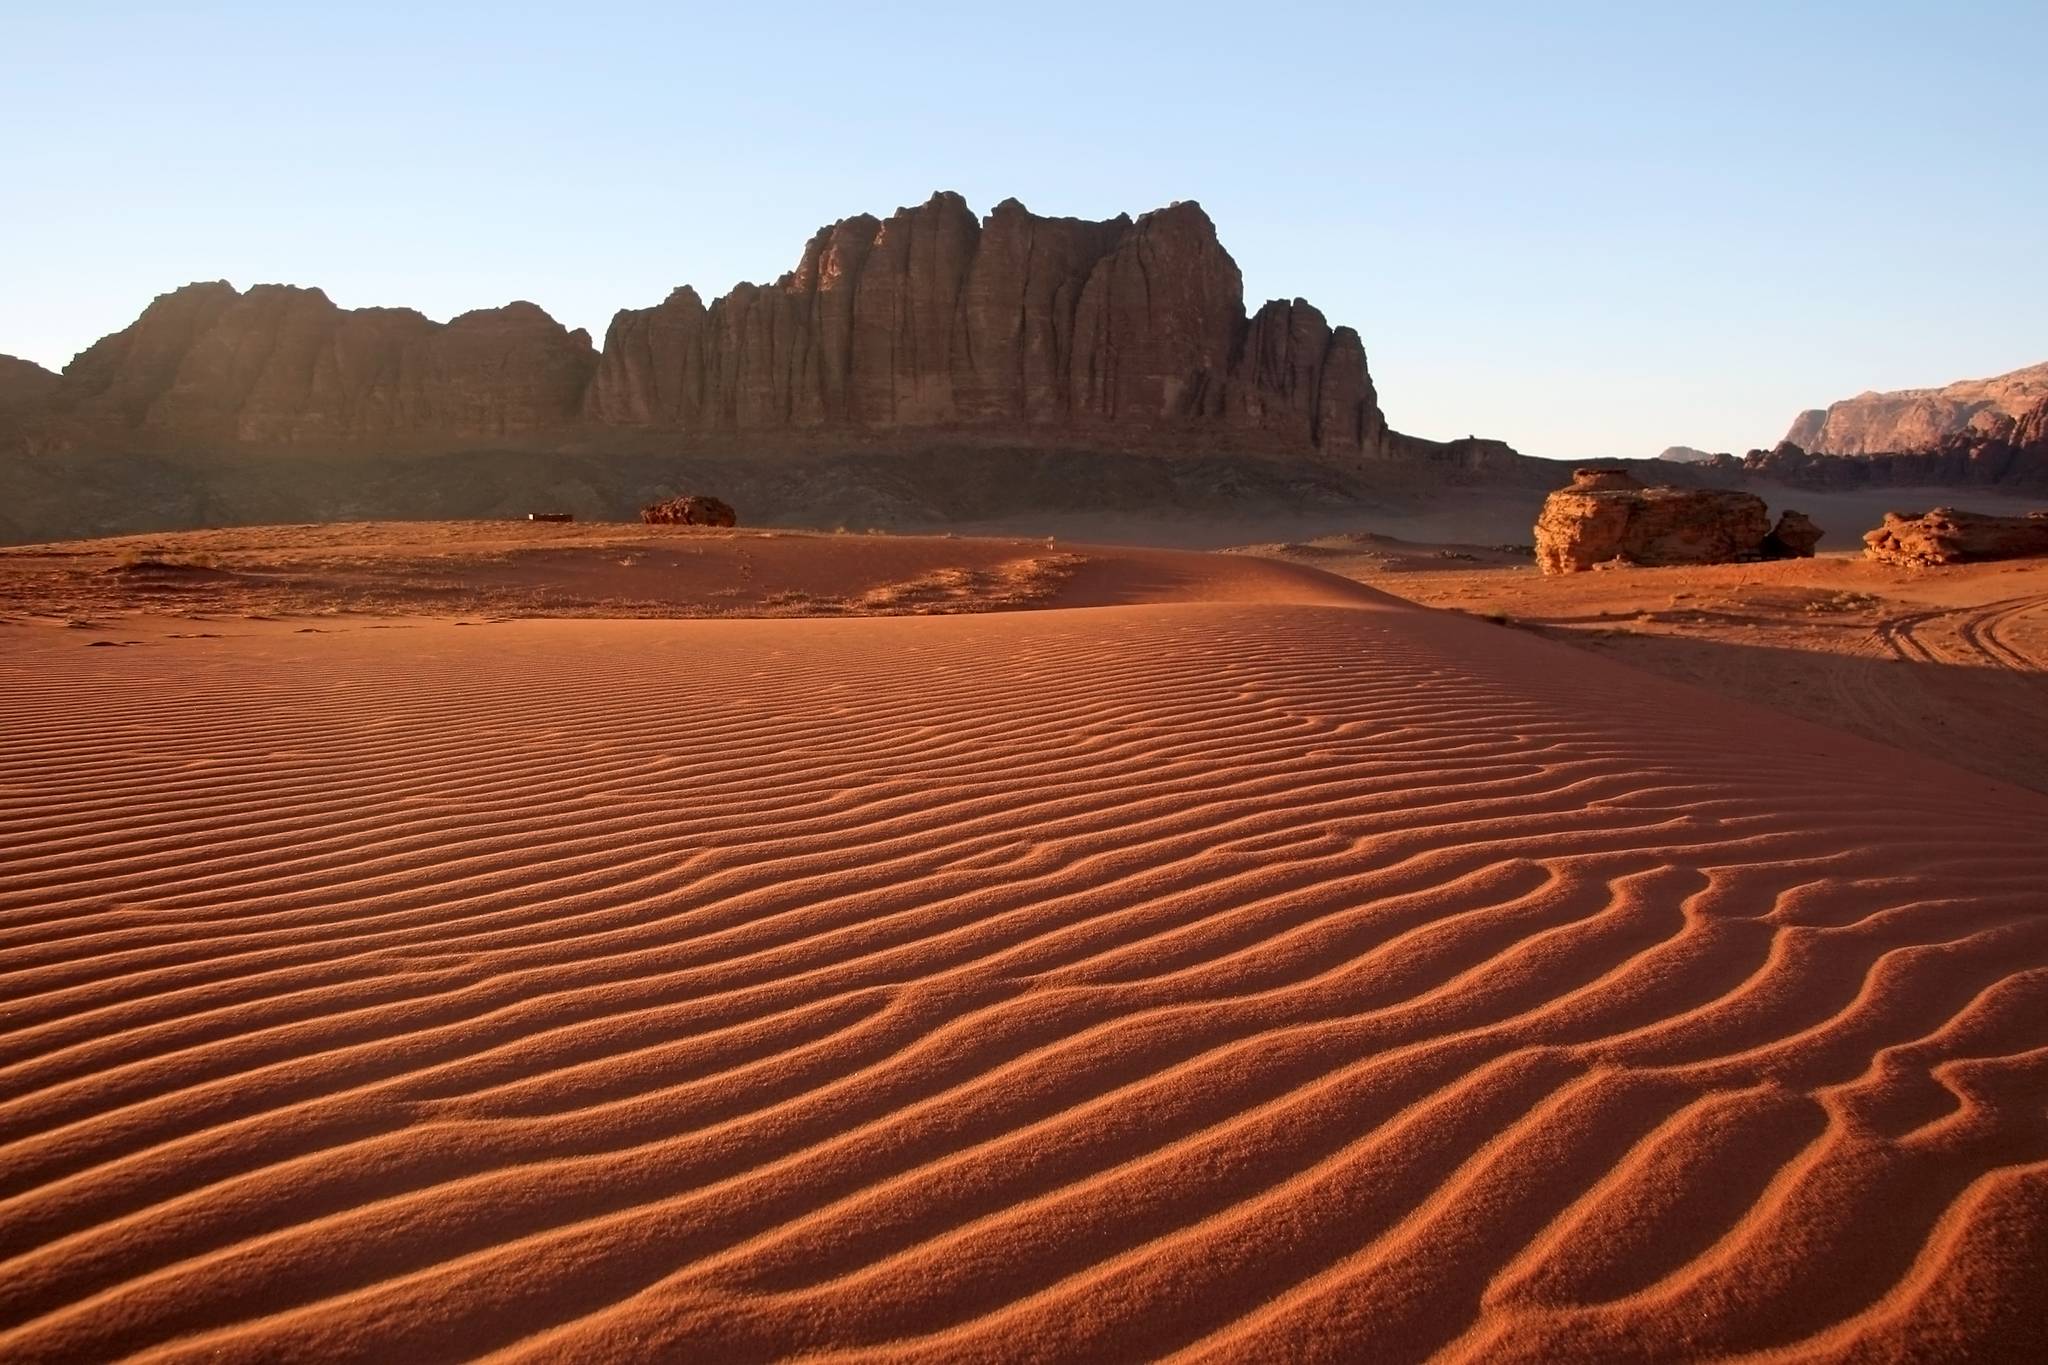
(1915, 420)
(929, 326)
(24, 383)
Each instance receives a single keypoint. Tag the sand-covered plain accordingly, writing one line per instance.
(1095, 955)
(1950, 662)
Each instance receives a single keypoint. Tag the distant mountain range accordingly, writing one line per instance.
(930, 366)
(1973, 433)
(2006, 408)
(929, 326)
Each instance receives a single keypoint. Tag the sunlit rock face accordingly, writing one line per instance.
(1607, 517)
(1913, 420)
(1007, 328)
(1013, 323)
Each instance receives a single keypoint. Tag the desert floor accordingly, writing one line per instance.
(1949, 662)
(1003, 950)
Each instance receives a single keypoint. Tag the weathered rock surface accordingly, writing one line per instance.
(1947, 535)
(1604, 481)
(1911, 420)
(279, 366)
(690, 510)
(2018, 463)
(23, 382)
(1608, 516)
(928, 325)
(25, 387)
(1794, 537)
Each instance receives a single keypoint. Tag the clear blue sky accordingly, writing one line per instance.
(1588, 229)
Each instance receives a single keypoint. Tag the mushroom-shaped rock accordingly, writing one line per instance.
(1607, 516)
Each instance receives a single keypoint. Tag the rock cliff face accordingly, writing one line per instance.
(1913, 420)
(1018, 324)
(929, 325)
(2019, 464)
(25, 388)
(23, 383)
(279, 366)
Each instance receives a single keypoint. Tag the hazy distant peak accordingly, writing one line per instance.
(1906, 420)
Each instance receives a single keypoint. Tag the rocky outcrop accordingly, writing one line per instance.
(1913, 420)
(1608, 516)
(24, 383)
(1958, 461)
(278, 366)
(1949, 536)
(931, 326)
(25, 388)
(1794, 537)
(690, 510)
(1603, 481)
(1015, 325)
(1684, 455)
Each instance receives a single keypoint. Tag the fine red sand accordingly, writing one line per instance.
(1246, 967)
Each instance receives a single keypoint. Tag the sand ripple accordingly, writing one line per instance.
(1225, 981)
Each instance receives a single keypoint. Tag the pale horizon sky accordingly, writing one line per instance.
(1592, 231)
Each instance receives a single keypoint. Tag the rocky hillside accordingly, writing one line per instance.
(927, 327)
(1916, 420)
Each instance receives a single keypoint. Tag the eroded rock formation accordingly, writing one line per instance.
(930, 324)
(25, 389)
(690, 510)
(2018, 463)
(1909, 420)
(1947, 535)
(24, 383)
(1608, 516)
(1794, 537)
(278, 366)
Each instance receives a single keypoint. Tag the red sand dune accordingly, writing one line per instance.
(1277, 972)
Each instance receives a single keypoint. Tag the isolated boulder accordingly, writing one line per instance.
(1607, 515)
(1794, 537)
(689, 510)
(1948, 535)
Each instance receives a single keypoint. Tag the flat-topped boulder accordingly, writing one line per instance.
(1607, 516)
(690, 510)
(1949, 535)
